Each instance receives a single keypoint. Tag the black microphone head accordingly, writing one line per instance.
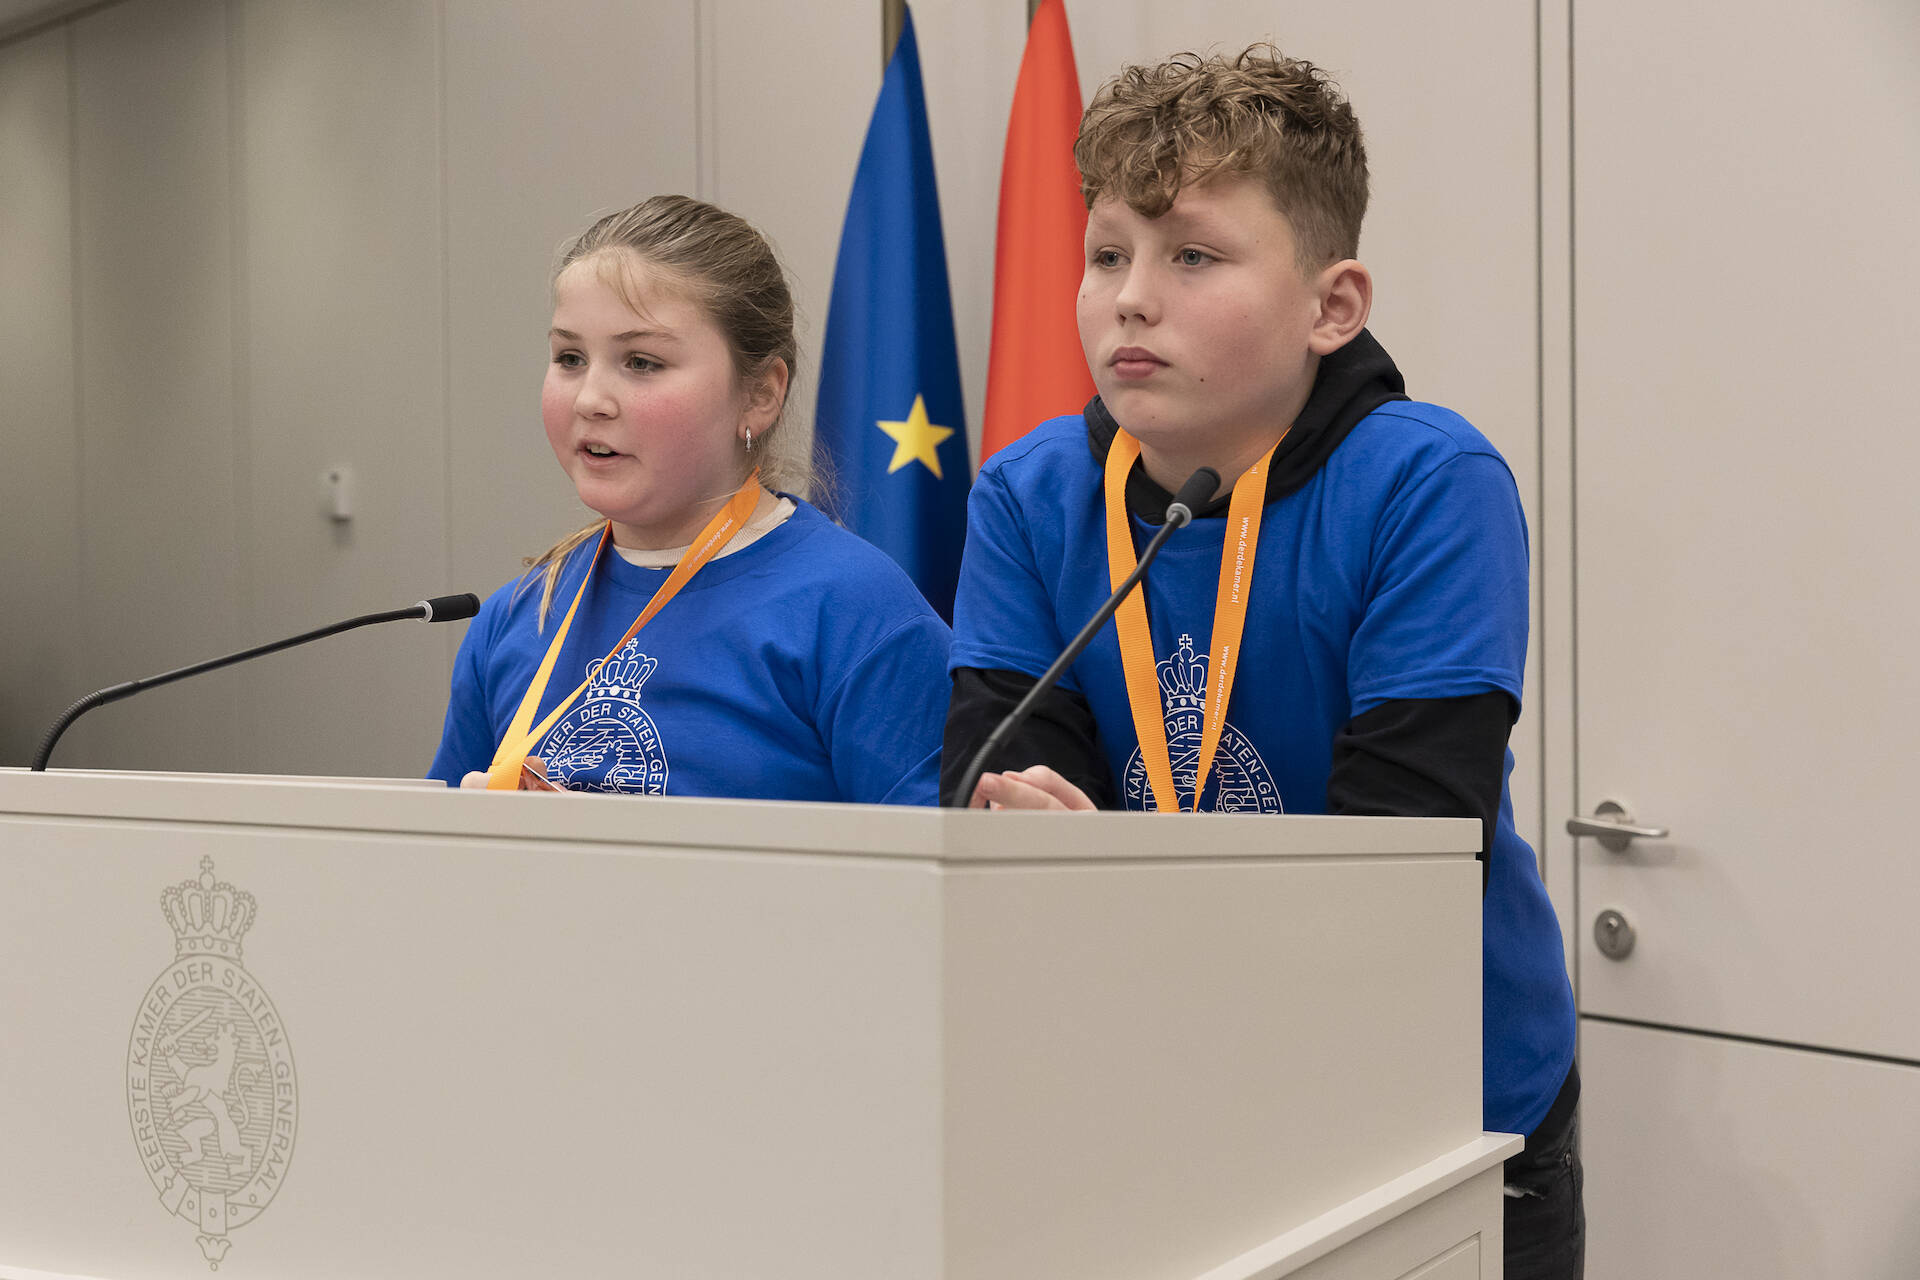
(450, 608)
(1200, 486)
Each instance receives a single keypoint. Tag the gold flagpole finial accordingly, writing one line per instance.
(893, 16)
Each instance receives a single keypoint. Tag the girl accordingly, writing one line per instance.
(710, 635)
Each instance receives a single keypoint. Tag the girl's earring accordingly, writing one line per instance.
(749, 431)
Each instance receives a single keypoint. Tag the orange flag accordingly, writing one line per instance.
(1036, 369)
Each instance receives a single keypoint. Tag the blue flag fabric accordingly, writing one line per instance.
(890, 425)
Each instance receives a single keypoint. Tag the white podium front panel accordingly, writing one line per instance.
(492, 1035)
(1098, 1013)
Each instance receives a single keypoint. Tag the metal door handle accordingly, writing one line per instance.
(1613, 826)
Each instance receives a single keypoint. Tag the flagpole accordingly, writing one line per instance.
(892, 17)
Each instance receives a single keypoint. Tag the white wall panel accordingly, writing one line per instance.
(342, 355)
(1799, 1165)
(552, 117)
(159, 453)
(1451, 229)
(786, 93)
(39, 465)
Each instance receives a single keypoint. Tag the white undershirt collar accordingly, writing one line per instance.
(755, 529)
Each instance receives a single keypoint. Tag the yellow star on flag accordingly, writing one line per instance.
(916, 440)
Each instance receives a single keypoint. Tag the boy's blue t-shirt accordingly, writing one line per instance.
(1399, 570)
(804, 666)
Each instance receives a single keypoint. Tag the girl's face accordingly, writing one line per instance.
(643, 409)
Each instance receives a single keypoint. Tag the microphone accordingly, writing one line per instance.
(437, 609)
(1199, 487)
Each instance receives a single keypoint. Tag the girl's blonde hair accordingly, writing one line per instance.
(720, 262)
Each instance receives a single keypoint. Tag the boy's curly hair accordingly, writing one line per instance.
(1153, 130)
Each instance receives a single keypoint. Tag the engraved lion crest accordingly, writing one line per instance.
(211, 1091)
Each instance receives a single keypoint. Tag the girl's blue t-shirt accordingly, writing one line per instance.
(1399, 570)
(804, 666)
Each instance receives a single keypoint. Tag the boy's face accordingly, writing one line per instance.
(1197, 324)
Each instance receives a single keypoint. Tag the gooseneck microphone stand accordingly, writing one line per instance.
(1199, 487)
(438, 609)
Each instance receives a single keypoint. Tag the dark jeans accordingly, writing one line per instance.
(1546, 1223)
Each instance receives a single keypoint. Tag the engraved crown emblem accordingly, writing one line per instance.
(1183, 678)
(208, 916)
(618, 679)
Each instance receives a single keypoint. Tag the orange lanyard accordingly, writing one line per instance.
(504, 773)
(1229, 619)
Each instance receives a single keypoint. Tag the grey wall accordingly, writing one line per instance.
(248, 240)
(39, 458)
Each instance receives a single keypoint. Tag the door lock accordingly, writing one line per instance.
(1613, 935)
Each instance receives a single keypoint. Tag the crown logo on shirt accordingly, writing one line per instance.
(618, 679)
(208, 916)
(1183, 678)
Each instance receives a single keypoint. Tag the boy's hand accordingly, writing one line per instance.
(1036, 788)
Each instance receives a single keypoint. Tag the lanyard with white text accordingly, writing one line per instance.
(504, 773)
(1229, 619)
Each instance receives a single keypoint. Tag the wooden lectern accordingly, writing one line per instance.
(326, 1028)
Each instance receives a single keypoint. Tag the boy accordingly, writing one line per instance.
(1373, 666)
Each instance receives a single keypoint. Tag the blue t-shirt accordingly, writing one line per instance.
(1399, 570)
(804, 666)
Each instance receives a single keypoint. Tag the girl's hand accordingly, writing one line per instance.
(478, 781)
(1035, 788)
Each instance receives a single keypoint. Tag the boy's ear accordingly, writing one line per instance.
(1346, 297)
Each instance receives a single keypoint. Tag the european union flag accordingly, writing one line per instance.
(890, 423)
